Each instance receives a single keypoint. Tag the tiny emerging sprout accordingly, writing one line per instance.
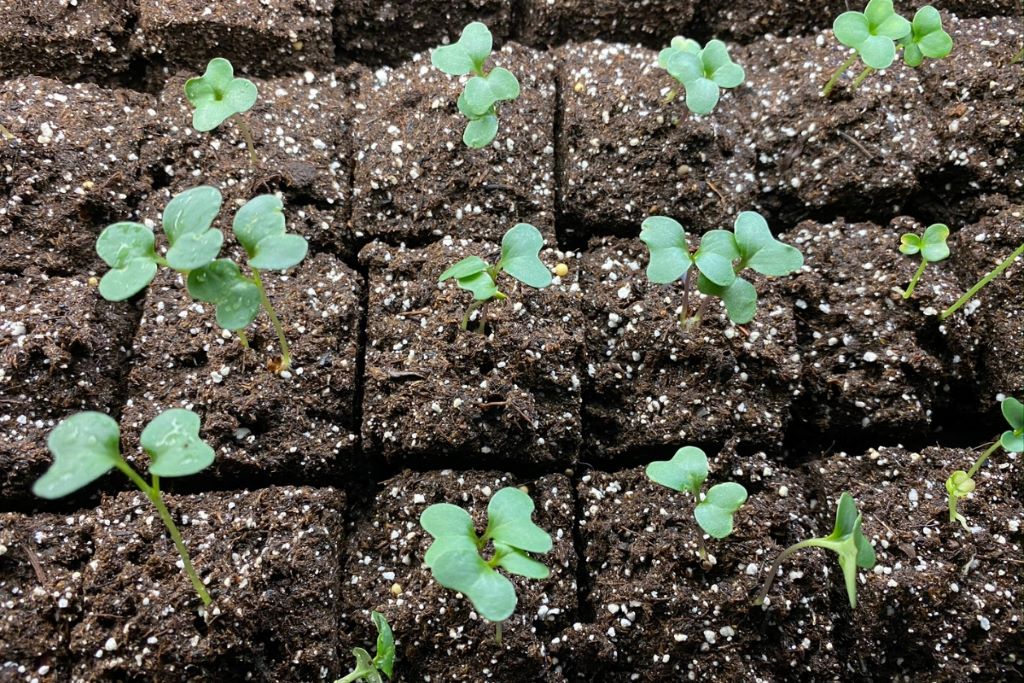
(846, 540)
(932, 247)
(701, 72)
(259, 226)
(983, 282)
(520, 258)
(383, 661)
(454, 558)
(1018, 58)
(687, 471)
(961, 484)
(719, 260)
(87, 445)
(877, 32)
(217, 96)
(478, 101)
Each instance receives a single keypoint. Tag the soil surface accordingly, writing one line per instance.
(838, 384)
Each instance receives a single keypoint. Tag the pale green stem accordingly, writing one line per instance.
(247, 134)
(981, 461)
(981, 283)
(861, 76)
(243, 339)
(913, 282)
(783, 556)
(497, 633)
(843, 68)
(286, 354)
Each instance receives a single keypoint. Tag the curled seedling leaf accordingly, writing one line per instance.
(370, 669)
(926, 38)
(479, 99)
(932, 247)
(846, 540)
(457, 559)
(720, 258)
(520, 258)
(703, 73)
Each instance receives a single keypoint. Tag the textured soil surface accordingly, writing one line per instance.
(309, 518)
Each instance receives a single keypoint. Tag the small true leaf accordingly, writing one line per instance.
(520, 256)
(670, 254)
(236, 298)
(715, 512)
(85, 446)
(260, 228)
(218, 95)
(129, 250)
(173, 444)
(686, 471)
(509, 521)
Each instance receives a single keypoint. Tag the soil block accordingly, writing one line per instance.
(872, 360)
(263, 37)
(651, 381)
(437, 395)
(439, 635)
(387, 33)
(299, 425)
(85, 39)
(661, 613)
(628, 154)
(415, 178)
(71, 168)
(653, 23)
(64, 349)
(99, 595)
(943, 602)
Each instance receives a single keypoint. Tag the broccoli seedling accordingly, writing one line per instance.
(701, 72)
(960, 484)
(456, 556)
(983, 282)
(846, 540)
(719, 260)
(259, 226)
(217, 96)
(370, 669)
(931, 245)
(87, 445)
(520, 258)
(478, 101)
(877, 32)
(687, 471)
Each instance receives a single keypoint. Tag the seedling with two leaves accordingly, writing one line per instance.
(369, 669)
(130, 251)
(217, 96)
(479, 100)
(719, 260)
(520, 258)
(687, 471)
(876, 33)
(87, 445)
(932, 247)
(961, 484)
(846, 540)
(702, 73)
(457, 558)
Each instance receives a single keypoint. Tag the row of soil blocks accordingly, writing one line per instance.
(98, 593)
(107, 39)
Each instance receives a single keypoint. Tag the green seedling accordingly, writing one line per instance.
(87, 445)
(701, 72)
(932, 247)
(478, 101)
(719, 260)
(1018, 58)
(876, 33)
(217, 96)
(259, 226)
(846, 540)
(383, 661)
(687, 471)
(961, 484)
(457, 557)
(983, 282)
(520, 258)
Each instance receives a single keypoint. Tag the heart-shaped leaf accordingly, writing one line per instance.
(715, 512)
(685, 67)
(670, 254)
(719, 67)
(761, 251)
(520, 256)
(218, 95)
(518, 562)
(492, 595)
(452, 529)
(187, 220)
(1013, 411)
(173, 444)
(260, 228)
(481, 132)
(129, 250)
(236, 297)
(873, 32)
(686, 471)
(85, 446)
(715, 267)
(851, 28)
(482, 92)
(702, 96)
(468, 54)
(934, 247)
(910, 244)
(509, 521)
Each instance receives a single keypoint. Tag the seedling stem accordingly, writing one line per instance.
(243, 126)
(244, 339)
(497, 633)
(843, 68)
(984, 456)
(913, 282)
(286, 353)
(861, 77)
(996, 272)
